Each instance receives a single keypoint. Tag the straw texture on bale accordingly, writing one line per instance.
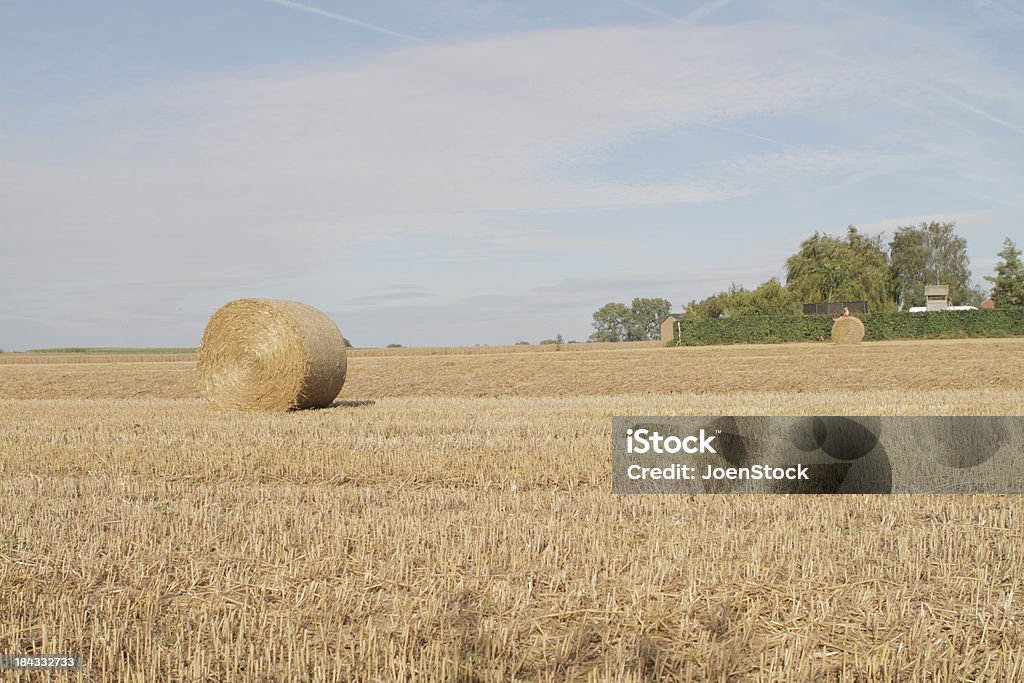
(263, 354)
(848, 331)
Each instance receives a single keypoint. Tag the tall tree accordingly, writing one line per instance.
(646, 316)
(929, 254)
(828, 269)
(1008, 283)
(612, 323)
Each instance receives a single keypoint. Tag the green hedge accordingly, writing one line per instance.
(759, 329)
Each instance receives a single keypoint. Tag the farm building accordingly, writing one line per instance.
(988, 303)
(668, 326)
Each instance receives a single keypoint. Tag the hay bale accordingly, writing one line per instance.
(262, 354)
(848, 331)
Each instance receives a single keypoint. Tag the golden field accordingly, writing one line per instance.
(450, 518)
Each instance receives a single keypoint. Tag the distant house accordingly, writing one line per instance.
(988, 303)
(668, 326)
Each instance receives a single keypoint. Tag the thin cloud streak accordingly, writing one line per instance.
(976, 110)
(748, 135)
(653, 11)
(345, 19)
(703, 11)
(691, 18)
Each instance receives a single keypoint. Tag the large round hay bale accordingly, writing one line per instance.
(848, 330)
(262, 354)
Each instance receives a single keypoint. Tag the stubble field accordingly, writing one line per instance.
(450, 518)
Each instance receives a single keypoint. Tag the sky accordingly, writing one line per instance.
(459, 172)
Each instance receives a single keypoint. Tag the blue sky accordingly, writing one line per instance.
(457, 172)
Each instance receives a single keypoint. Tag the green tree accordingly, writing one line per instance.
(611, 323)
(642, 320)
(729, 303)
(645, 318)
(929, 254)
(828, 269)
(1008, 283)
(770, 298)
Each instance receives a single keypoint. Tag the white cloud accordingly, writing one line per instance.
(477, 126)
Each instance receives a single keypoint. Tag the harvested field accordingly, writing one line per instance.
(940, 364)
(450, 518)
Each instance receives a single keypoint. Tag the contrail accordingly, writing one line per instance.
(942, 93)
(348, 20)
(653, 11)
(703, 11)
(692, 18)
(748, 135)
(977, 110)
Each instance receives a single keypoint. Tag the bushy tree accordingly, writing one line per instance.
(1008, 282)
(828, 268)
(929, 254)
(641, 321)
(770, 298)
(611, 323)
(646, 316)
(731, 302)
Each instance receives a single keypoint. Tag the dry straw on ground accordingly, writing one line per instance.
(262, 354)
(469, 532)
(848, 330)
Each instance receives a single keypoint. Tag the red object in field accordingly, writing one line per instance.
(846, 314)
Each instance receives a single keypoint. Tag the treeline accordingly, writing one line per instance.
(889, 276)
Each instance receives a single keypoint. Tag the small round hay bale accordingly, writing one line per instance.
(848, 330)
(262, 354)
